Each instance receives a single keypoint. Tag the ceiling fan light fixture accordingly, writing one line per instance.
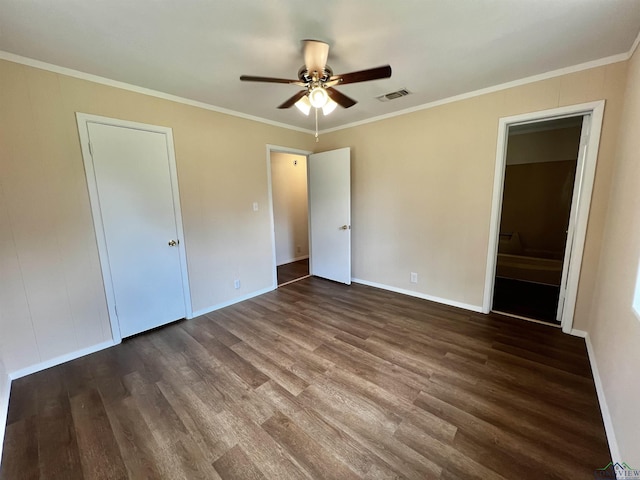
(329, 107)
(304, 105)
(318, 97)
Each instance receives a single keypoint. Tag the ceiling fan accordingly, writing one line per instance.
(318, 80)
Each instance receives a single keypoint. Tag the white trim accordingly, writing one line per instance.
(4, 412)
(621, 57)
(23, 372)
(578, 333)
(604, 408)
(83, 121)
(296, 259)
(584, 179)
(272, 220)
(633, 48)
(424, 296)
(293, 281)
(30, 62)
(228, 303)
(526, 319)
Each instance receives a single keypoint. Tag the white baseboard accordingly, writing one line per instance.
(424, 296)
(59, 360)
(578, 333)
(604, 409)
(303, 257)
(231, 302)
(4, 411)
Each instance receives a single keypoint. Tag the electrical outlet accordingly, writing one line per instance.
(298, 249)
(236, 284)
(414, 277)
(255, 206)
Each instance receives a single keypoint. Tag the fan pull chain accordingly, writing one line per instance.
(317, 139)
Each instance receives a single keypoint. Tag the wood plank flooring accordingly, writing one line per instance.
(292, 271)
(316, 381)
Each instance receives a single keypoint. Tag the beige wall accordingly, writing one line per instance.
(536, 203)
(51, 291)
(290, 212)
(613, 327)
(422, 186)
(545, 146)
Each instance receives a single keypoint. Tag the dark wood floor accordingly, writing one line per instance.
(292, 271)
(316, 380)
(526, 299)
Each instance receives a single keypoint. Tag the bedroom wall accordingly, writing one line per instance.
(538, 187)
(4, 398)
(536, 204)
(545, 146)
(290, 209)
(422, 186)
(613, 327)
(51, 291)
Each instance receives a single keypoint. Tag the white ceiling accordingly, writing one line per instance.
(197, 49)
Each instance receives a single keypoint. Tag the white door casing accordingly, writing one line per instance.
(270, 149)
(132, 183)
(580, 164)
(329, 175)
(584, 185)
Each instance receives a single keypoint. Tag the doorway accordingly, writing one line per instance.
(541, 162)
(328, 187)
(592, 116)
(290, 216)
(133, 190)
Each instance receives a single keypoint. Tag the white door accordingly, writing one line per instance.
(582, 153)
(330, 215)
(136, 207)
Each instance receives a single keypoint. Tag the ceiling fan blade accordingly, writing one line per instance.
(251, 78)
(340, 98)
(363, 75)
(292, 101)
(315, 55)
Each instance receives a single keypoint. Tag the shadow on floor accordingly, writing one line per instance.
(526, 299)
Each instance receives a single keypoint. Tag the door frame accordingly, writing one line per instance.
(294, 151)
(585, 176)
(83, 120)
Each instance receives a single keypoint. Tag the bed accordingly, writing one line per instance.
(514, 264)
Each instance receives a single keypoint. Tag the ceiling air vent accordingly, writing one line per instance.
(393, 95)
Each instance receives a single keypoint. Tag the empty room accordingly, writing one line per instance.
(343, 240)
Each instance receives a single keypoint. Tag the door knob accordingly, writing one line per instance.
(344, 227)
(173, 243)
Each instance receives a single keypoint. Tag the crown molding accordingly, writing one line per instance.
(621, 57)
(30, 62)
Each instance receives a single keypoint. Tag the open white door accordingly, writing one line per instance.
(330, 215)
(582, 153)
(134, 201)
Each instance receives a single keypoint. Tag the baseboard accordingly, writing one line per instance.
(578, 333)
(4, 411)
(604, 409)
(59, 360)
(231, 302)
(303, 257)
(424, 296)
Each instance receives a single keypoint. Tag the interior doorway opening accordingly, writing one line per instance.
(592, 115)
(539, 179)
(289, 190)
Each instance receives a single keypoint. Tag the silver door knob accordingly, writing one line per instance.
(173, 243)
(344, 227)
